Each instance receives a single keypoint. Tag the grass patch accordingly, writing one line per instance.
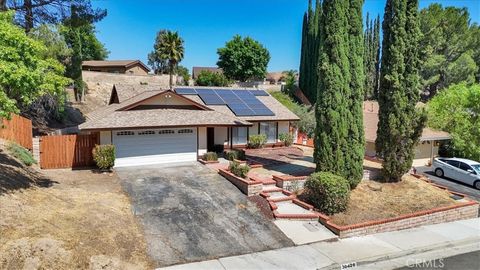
(21, 153)
(372, 200)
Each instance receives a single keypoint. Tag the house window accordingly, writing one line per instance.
(166, 131)
(269, 129)
(239, 135)
(125, 133)
(146, 132)
(185, 131)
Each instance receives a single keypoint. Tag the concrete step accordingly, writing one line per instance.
(290, 210)
(270, 189)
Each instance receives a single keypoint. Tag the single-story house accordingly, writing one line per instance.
(132, 67)
(196, 71)
(426, 149)
(161, 126)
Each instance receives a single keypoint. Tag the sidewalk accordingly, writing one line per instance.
(379, 251)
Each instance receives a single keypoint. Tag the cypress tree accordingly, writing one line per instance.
(376, 41)
(333, 89)
(303, 52)
(400, 124)
(356, 139)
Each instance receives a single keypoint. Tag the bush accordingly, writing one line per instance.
(327, 192)
(21, 153)
(210, 156)
(104, 156)
(209, 78)
(286, 138)
(238, 169)
(235, 154)
(257, 141)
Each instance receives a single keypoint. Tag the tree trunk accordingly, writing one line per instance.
(171, 76)
(28, 15)
(3, 5)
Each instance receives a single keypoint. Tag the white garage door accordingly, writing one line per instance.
(154, 146)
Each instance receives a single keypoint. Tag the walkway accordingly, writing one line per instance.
(379, 251)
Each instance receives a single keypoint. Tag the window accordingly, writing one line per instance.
(185, 131)
(166, 131)
(464, 166)
(269, 129)
(146, 132)
(454, 163)
(239, 135)
(125, 133)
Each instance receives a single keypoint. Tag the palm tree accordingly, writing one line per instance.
(171, 48)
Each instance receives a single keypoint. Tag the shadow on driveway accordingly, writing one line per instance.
(190, 213)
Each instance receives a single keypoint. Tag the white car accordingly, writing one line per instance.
(463, 170)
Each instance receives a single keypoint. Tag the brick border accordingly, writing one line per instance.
(205, 162)
(248, 187)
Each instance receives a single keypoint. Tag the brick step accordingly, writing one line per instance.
(310, 217)
(270, 189)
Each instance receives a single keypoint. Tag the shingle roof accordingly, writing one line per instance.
(370, 122)
(113, 63)
(126, 91)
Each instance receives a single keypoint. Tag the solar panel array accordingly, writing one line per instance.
(240, 102)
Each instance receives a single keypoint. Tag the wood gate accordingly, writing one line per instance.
(67, 151)
(17, 129)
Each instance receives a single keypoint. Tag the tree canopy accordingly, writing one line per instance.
(209, 78)
(457, 111)
(243, 59)
(450, 48)
(25, 73)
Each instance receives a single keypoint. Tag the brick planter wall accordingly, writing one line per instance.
(248, 187)
(465, 210)
(204, 162)
(288, 182)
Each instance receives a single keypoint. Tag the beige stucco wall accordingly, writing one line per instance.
(164, 100)
(370, 149)
(202, 140)
(422, 152)
(136, 70)
(105, 137)
(253, 130)
(221, 135)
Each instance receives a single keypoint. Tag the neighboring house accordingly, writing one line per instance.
(161, 126)
(132, 67)
(196, 71)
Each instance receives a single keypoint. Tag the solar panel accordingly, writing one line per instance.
(240, 109)
(204, 91)
(263, 112)
(185, 91)
(211, 98)
(259, 93)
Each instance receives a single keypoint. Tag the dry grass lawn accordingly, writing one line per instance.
(82, 221)
(373, 200)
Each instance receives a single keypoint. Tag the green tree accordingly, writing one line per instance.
(450, 46)
(183, 71)
(290, 77)
(54, 41)
(457, 111)
(155, 60)
(25, 74)
(171, 48)
(209, 78)
(371, 57)
(243, 59)
(400, 124)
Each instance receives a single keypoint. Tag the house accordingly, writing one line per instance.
(132, 67)
(196, 71)
(161, 126)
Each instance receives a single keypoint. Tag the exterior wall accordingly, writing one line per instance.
(253, 130)
(105, 137)
(370, 149)
(162, 100)
(202, 140)
(136, 70)
(283, 127)
(221, 135)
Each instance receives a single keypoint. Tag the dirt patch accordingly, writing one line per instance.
(372, 200)
(83, 221)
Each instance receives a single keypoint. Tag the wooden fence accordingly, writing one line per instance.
(18, 129)
(67, 151)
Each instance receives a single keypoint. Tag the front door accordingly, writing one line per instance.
(210, 139)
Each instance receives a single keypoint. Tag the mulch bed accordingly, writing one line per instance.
(262, 205)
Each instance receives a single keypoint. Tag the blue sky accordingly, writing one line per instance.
(205, 25)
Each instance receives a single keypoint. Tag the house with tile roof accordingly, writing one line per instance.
(149, 125)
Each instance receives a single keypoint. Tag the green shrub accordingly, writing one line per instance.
(239, 169)
(235, 154)
(286, 138)
(327, 192)
(257, 141)
(210, 156)
(104, 156)
(21, 153)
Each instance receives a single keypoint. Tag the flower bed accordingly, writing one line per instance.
(247, 186)
(204, 162)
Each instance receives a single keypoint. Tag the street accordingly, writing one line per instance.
(467, 261)
(451, 184)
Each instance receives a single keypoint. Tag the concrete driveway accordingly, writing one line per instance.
(450, 183)
(190, 213)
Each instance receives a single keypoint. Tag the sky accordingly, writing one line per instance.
(129, 29)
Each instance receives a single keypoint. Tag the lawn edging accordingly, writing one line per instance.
(248, 187)
(205, 162)
(463, 210)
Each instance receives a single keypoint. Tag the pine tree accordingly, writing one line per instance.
(400, 124)
(333, 89)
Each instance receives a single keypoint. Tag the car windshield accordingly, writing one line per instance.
(476, 167)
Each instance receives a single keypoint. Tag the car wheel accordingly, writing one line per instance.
(439, 172)
(477, 184)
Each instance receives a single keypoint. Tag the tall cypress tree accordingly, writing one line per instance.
(376, 41)
(302, 70)
(400, 124)
(333, 89)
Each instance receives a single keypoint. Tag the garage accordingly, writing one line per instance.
(154, 146)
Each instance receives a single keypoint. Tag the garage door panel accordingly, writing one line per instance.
(160, 147)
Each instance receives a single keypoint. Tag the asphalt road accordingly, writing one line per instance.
(450, 183)
(467, 261)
